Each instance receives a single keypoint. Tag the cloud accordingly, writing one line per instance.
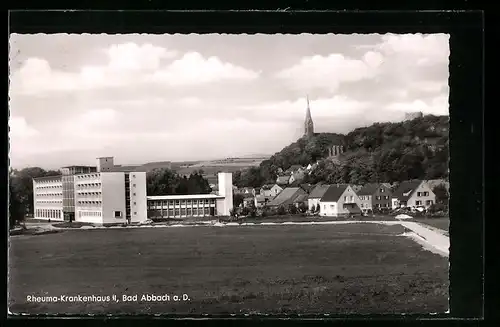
(295, 110)
(20, 129)
(190, 101)
(437, 106)
(128, 64)
(193, 68)
(429, 49)
(327, 72)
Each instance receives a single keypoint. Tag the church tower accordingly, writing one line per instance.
(308, 123)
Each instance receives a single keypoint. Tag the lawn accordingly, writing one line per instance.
(336, 269)
(441, 223)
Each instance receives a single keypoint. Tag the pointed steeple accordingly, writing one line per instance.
(308, 123)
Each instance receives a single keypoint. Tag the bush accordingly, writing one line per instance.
(317, 208)
(281, 211)
(245, 211)
(292, 209)
(303, 207)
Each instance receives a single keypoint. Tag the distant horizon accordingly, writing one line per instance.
(244, 156)
(74, 97)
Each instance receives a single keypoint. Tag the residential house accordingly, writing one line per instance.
(374, 195)
(315, 196)
(294, 169)
(283, 180)
(339, 200)
(246, 191)
(412, 194)
(301, 199)
(307, 187)
(262, 200)
(297, 176)
(286, 197)
(270, 190)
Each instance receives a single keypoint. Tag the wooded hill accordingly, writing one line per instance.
(382, 152)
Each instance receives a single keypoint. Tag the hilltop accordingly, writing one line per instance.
(382, 152)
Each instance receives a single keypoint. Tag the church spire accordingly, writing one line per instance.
(308, 124)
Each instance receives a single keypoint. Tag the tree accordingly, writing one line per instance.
(237, 199)
(292, 209)
(281, 211)
(16, 208)
(441, 193)
(317, 207)
(303, 207)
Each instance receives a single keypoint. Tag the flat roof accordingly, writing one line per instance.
(185, 197)
(48, 177)
(79, 166)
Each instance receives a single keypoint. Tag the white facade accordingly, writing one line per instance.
(101, 198)
(48, 198)
(347, 203)
(225, 205)
(312, 204)
(194, 205)
(422, 197)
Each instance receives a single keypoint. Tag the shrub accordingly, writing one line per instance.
(281, 210)
(302, 207)
(245, 211)
(317, 207)
(292, 209)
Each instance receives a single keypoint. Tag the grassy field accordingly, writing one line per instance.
(441, 223)
(336, 269)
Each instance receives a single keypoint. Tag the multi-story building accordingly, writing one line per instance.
(101, 194)
(375, 195)
(48, 198)
(111, 197)
(194, 205)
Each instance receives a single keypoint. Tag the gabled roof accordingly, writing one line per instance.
(318, 191)
(369, 189)
(286, 196)
(300, 198)
(406, 189)
(307, 187)
(263, 198)
(283, 179)
(294, 167)
(334, 192)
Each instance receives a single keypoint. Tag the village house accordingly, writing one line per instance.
(294, 169)
(300, 200)
(283, 180)
(315, 196)
(262, 200)
(339, 200)
(413, 194)
(297, 176)
(374, 195)
(246, 191)
(270, 190)
(286, 197)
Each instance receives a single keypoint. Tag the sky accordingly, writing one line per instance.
(143, 98)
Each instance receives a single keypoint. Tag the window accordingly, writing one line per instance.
(177, 202)
(418, 203)
(135, 203)
(134, 194)
(428, 202)
(133, 176)
(134, 185)
(382, 190)
(426, 193)
(118, 214)
(332, 206)
(135, 213)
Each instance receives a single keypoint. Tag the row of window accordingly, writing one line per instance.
(349, 198)
(182, 202)
(422, 193)
(87, 176)
(48, 194)
(184, 212)
(89, 203)
(89, 214)
(427, 203)
(48, 213)
(48, 187)
(48, 181)
(378, 205)
(88, 185)
(48, 201)
(89, 193)
(380, 197)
